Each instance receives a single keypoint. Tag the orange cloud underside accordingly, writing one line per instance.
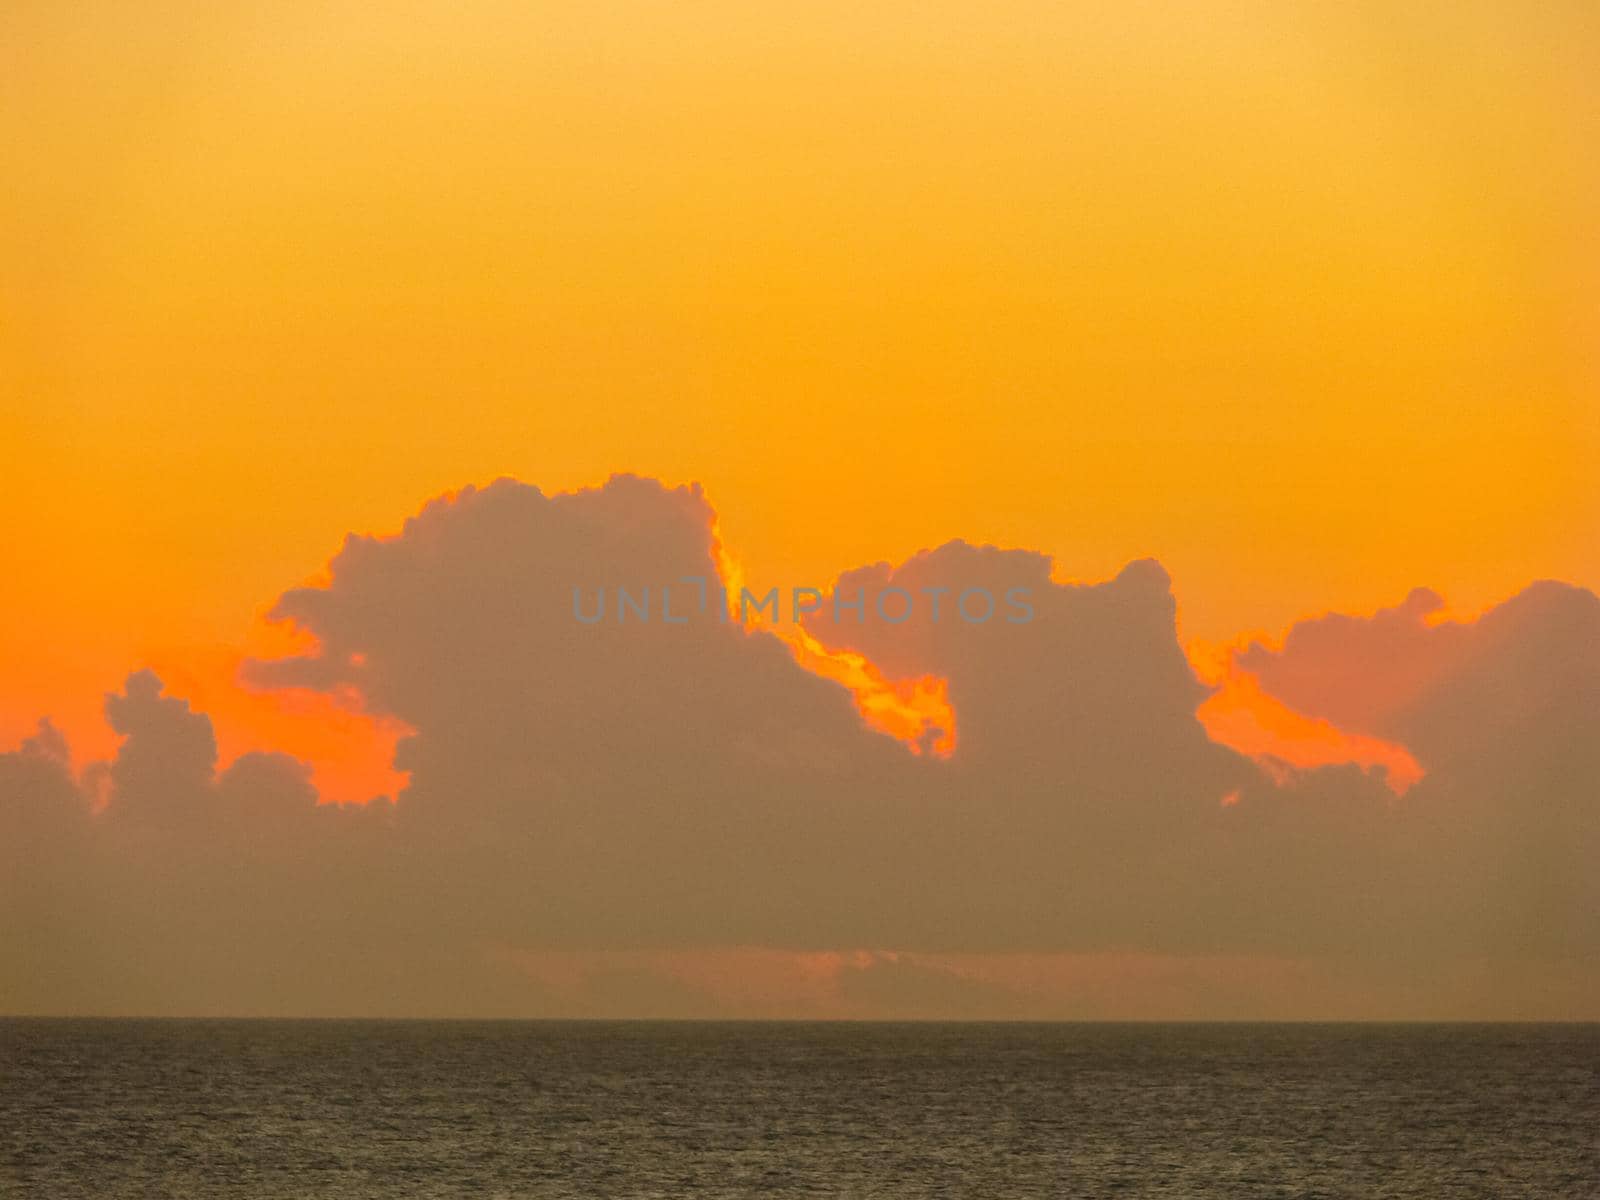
(916, 711)
(1241, 715)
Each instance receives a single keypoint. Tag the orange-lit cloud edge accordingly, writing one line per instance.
(350, 752)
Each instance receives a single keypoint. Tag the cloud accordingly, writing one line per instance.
(463, 628)
(631, 788)
(1504, 712)
(1522, 679)
(1090, 693)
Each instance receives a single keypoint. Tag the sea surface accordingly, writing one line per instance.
(176, 1109)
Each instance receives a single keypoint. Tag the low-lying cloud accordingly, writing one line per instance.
(659, 793)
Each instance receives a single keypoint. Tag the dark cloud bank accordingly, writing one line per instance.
(645, 787)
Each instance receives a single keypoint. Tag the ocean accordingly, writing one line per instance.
(419, 1109)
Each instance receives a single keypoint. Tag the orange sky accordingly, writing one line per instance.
(1298, 300)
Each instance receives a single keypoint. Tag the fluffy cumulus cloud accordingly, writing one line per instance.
(1518, 685)
(1504, 714)
(679, 817)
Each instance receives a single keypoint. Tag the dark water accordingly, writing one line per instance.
(487, 1109)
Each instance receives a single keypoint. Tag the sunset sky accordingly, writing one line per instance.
(1298, 300)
